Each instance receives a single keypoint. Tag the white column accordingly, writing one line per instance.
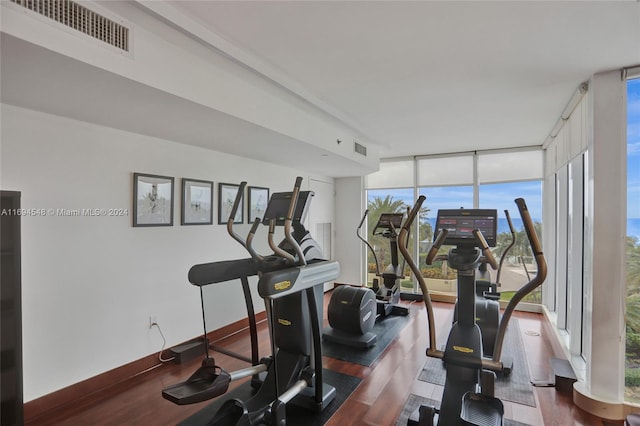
(605, 218)
(349, 250)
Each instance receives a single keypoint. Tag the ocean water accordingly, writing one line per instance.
(633, 225)
(503, 225)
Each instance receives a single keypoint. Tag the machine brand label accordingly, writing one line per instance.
(463, 349)
(282, 285)
(284, 322)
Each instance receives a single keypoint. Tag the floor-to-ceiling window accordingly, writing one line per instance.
(447, 183)
(566, 164)
(632, 370)
(390, 190)
(518, 267)
(379, 201)
(491, 179)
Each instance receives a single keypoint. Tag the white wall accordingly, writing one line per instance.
(91, 283)
(349, 250)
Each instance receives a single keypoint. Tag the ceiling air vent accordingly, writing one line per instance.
(80, 18)
(360, 149)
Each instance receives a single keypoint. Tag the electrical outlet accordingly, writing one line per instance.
(153, 320)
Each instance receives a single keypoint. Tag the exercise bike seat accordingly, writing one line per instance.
(208, 381)
(481, 410)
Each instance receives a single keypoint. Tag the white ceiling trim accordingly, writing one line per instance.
(178, 20)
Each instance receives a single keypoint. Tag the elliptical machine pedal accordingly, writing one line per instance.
(481, 410)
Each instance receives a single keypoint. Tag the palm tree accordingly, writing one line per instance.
(633, 266)
(388, 204)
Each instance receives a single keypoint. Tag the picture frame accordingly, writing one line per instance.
(197, 202)
(257, 200)
(152, 200)
(226, 197)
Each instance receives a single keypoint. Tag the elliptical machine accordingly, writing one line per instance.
(291, 283)
(387, 295)
(353, 310)
(468, 397)
(487, 294)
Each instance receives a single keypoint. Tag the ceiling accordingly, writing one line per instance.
(415, 78)
(428, 77)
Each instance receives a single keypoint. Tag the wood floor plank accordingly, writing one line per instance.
(377, 401)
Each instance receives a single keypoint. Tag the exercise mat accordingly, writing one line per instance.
(414, 401)
(516, 387)
(344, 384)
(387, 329)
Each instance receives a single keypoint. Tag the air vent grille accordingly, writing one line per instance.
(80, 18)
(360, 149)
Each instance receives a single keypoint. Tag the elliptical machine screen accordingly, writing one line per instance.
(460, 224)
(388, 222)
(278, 207)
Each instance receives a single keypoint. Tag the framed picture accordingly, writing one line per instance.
(226, 196)
(258, 200)
(197, 202)
(152, 200)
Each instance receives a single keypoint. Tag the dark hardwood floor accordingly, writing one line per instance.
(378, 400)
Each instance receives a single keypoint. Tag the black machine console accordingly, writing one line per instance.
(460, 224)
(388, 222)
(278, 207)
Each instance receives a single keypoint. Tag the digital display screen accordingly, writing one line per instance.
(460, 224)
(389, 221)
(278, 207)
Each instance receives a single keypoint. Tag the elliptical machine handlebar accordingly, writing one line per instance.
(529, 228)
(276, 249)
(232, 215)
(364, 240)
(530, 286)
(247, 244)
(513, 242)
(402, 246)
(289, 221)
(364, 216)
(433, 251)
(486, 251)
(244, 243)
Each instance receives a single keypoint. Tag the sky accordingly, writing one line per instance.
(497, 196)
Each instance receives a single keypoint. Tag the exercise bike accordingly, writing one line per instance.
(468, 397)
(291, 283)
(353, 310)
